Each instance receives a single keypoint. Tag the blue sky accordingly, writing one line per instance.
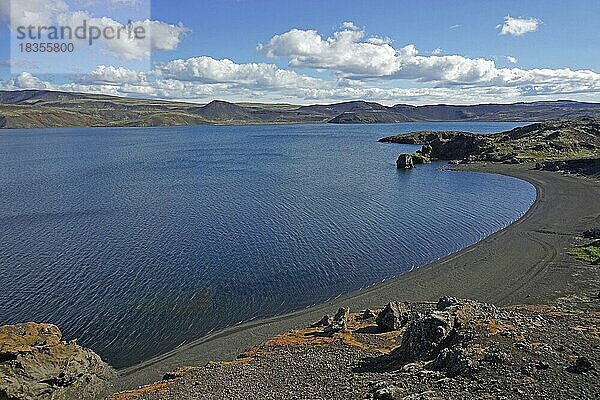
(389, 51)
(232, 28)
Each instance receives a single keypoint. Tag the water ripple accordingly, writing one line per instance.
(136, 241)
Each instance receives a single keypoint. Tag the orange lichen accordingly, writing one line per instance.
(28, 336)
(593, 331)
(154, 388)
(349, 339)
(243, 358)
(477, 349)
(303, 337)
(495, 327)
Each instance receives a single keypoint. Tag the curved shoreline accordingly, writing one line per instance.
(518, 264)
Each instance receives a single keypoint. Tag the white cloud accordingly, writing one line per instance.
(349, 55)
(111, 75)
(511, 59)
(125, 2)
(344, 51)
(31, 12)
(361, 67)
(518, 26)
(207, 79)
(25, 81)
(159, 35)
(437, 51)
(455, 26)
(208, 70)
(349, 25)
(165, 36)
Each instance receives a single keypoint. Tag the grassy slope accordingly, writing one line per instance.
(38, 109)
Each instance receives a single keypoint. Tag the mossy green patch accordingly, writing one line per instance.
(589, 253)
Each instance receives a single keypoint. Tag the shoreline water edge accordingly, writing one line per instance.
(449, 275)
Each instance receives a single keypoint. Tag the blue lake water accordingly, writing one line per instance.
(136, 240)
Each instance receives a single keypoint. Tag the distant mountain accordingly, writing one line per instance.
(222, 111)
(535, 111)
(369, 117)
(333, 110)
(43, 108)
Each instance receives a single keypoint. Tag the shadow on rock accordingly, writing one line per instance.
(438, 339)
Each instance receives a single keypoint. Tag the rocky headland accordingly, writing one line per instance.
(550, 144)
(35, 363)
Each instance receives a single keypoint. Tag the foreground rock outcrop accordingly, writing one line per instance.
(452, 349)
(36, 364)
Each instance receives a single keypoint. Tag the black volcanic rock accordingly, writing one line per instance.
(393, 317)
(405, 161)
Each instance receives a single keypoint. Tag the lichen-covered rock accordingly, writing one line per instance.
(426, 150)
(393, 317)
(455, 361)
(407, 161)
(424, 336)
(340, 321)
(36, 364)
(420, 158)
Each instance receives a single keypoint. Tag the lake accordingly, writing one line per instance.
(137, 240)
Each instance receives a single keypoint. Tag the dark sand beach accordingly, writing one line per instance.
(526, 263)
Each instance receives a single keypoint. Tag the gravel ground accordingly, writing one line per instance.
(519, 352)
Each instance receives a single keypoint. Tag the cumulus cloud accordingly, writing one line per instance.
(25, 80)
(437, 51)
(518, 26)
(209, 70)
(361, 67)
(344, 51)
(32, 12)
(348, 54)
(125, 2)
(158, 35)
(111, 75)
(203, 79)
(349, 25)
